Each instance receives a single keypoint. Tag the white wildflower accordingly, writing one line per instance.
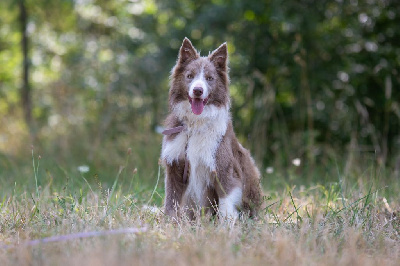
(83, 169)
(269, 170)
(296, 162)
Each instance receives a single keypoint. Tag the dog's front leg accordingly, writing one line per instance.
(174, 188)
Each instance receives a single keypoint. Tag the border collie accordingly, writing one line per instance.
(206, 166)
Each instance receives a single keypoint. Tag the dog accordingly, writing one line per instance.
(205, 165)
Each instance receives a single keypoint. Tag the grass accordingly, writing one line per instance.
(352, 221)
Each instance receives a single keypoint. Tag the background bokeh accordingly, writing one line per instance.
(313, 83)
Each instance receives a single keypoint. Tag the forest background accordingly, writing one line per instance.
(314, 84)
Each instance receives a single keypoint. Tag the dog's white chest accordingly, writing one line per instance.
(201, 152)
(200, 141)
(204, 138)
(199, 148)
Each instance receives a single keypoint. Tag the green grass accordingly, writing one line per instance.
(350, 220)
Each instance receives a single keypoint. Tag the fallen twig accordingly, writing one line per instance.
(63, 238)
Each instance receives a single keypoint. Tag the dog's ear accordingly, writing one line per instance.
(220, 57)
(187, 52)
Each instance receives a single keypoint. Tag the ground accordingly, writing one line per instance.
(349, 222)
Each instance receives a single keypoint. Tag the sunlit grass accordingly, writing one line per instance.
(345, 222)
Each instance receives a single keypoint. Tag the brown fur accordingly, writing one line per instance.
(234, 166)
(234, 160)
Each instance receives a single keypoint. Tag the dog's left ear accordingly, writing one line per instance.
(220, 57)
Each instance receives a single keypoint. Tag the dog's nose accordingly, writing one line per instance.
(198, 91)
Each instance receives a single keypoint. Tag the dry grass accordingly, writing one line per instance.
(314, 226)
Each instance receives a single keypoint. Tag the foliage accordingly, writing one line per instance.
(314, 80)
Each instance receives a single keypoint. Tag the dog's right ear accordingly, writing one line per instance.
(187, 52)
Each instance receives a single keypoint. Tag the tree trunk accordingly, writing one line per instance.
(26, 99)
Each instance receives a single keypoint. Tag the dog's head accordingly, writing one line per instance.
(200, 80)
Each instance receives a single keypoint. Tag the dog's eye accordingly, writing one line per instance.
(209, 78)
(189, 76)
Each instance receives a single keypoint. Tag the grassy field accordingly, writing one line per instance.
(353, 219)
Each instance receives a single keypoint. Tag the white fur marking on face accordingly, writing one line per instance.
(199, 81)
(227, 207)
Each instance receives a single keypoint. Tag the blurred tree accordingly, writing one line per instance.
(315, 80)
(26, 99)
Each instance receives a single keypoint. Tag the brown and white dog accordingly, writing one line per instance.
(206, 166)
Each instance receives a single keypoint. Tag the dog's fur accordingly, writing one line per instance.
(222, 175)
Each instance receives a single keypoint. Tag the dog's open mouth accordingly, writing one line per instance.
(197, 104)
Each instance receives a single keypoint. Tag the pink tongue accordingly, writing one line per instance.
(197, 106)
